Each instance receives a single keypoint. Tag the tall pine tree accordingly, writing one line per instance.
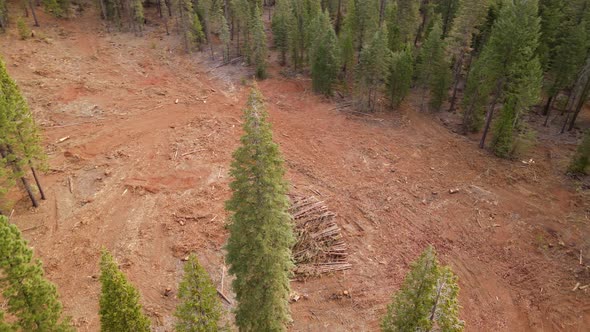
(509, 70)
(120, 309)
(261, 235)
(401, 71)
(199, 309)
(20, 142)
(433, 68)
(31, 299)
(427, 299)
(371, 71)
(324, 56)
(259, 49)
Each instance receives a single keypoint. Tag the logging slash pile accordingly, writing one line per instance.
(319, 248)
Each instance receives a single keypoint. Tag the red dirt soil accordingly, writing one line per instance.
(146, 177)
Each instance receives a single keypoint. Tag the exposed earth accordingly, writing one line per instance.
(140, 136)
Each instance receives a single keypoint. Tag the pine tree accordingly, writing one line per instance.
(138, 18)
(401, 71)
(508, 70)
(31, 299)
(393, 31)
(24, 31)
(552, 16)
(120, 309)
(225, 38)
(261, 235)
(447, 10)
(199, 309)
(433, 68)
(3, 15)
(371, 71)
(259, 50)
(427, 299)
(408, 20)
(470, 15)
(280, 28)
(324, 56)
(361, 21)
(580, 163)
(20, 142)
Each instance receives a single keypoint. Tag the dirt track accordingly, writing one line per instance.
(146, 177)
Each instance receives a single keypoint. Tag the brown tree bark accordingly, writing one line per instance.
(33, 12)
(490, 114)
(38, 183)
(16, 168)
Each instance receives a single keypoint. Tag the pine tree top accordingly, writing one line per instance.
(120, 309)
(199, 309)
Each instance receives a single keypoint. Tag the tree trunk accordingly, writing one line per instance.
(580, 104)
(490, 114)
(16, 168)
(457, 77)
(547, 109)
(422, 25)
(38, 183)
(338, 18)
(159, 8)
(103, 10)
(33, 12)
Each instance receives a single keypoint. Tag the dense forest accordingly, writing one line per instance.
(492, 62)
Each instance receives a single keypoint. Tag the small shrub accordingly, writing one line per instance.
(23, 29)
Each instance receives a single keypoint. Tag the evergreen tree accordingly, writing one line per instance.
(447, 10)
(408, 20)
(199, 309)
(259, 50)
(552, 16)
(426, 300)
(401, 71)
(120, 309)
(3, 15)
(508, 70)
(580, 163)
(324, 56)
(361, 21)
(280, 28)
(24, 32)
(371, 71)
(433, 68)
(225, 38)
(31, 299)
(470, 15)
(393, 31)
(20, 142)
(261, 235)
(138, 18)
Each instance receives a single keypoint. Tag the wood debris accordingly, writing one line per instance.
(319, 248)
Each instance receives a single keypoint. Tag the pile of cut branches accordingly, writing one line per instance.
(319, 248)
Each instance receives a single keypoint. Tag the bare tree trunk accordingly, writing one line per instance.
(580, 105)
(103, 10)
(490, 114)
(338, 18)
(547, 109)
(33, 12)
(16, 168)
(38, 183)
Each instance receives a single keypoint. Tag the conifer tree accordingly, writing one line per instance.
(24, 31)
(580, 163)
(3, 15)
(393, 31)
(138, 18)
(259, 50)
(324, 56)
(31, 299)
(20, 142)
(447, 10)
(199, 309)
(361, 21)
(120, 309)
(408, 20)
(433, 68)
(281, 22)
(225, 38)
(509, 70)
(552, 16)
(371, 71)
(401, 71)
(261, 235)
(470, 15)
(426, 300)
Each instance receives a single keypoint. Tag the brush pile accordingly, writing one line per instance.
(319, 248)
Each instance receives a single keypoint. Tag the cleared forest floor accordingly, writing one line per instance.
(144, 173)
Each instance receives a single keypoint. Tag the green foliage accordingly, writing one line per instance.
(475, 98)
(508, 69)
(433, 68)
(427, 299)
(408, 20)
(24, 31)
(258, 50)
(261, 235)
(401, 71)
(361, 21)
(225, 38)
(19, 136)
(324, 56)
(113, 11)
(281, 21)
(53, 7)
(199, 309)
(3, 15)
(137, 9)
(120, 309)
(196, 34)
(447, 10)
(580, 163)
(300, 33)
(31, 299)
(371, 71)
(552, 17)
(4, 326)
(393, 33)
